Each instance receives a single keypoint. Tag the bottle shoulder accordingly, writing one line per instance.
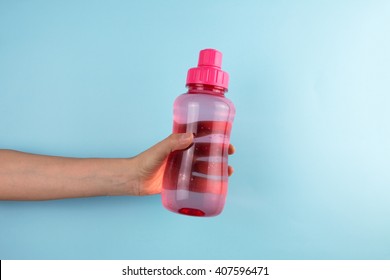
(204, 100)
(203, 107)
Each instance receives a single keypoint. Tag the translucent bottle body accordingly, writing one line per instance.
(196, 179)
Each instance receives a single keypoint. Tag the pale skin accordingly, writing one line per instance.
(26, 176)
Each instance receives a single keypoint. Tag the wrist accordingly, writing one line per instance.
(123, 178)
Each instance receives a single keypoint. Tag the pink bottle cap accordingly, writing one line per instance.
(209, 70)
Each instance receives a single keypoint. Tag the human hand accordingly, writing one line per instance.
(150, 164)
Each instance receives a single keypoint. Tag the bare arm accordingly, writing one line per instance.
(35, 177)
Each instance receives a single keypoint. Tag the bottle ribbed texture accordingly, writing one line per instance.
(209, 70)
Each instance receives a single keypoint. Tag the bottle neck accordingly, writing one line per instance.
(206, 89)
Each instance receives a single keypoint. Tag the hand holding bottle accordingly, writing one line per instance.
(150, 164)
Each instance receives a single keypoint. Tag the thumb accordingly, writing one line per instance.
(185, 140)
(173, 142)
(159, 152)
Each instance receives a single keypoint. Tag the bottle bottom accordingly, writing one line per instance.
(193, 203)
(191, 212)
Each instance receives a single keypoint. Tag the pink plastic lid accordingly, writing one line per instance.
(209, 70)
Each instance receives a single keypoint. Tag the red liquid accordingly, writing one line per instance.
(191, 212)
(195, 180)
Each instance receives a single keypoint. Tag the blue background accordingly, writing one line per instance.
(311, 84)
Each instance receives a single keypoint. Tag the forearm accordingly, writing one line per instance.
(34, 177)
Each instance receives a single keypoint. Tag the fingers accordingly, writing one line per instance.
(231, 149)
(230, 170)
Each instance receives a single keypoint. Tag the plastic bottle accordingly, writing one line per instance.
(196, 179)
